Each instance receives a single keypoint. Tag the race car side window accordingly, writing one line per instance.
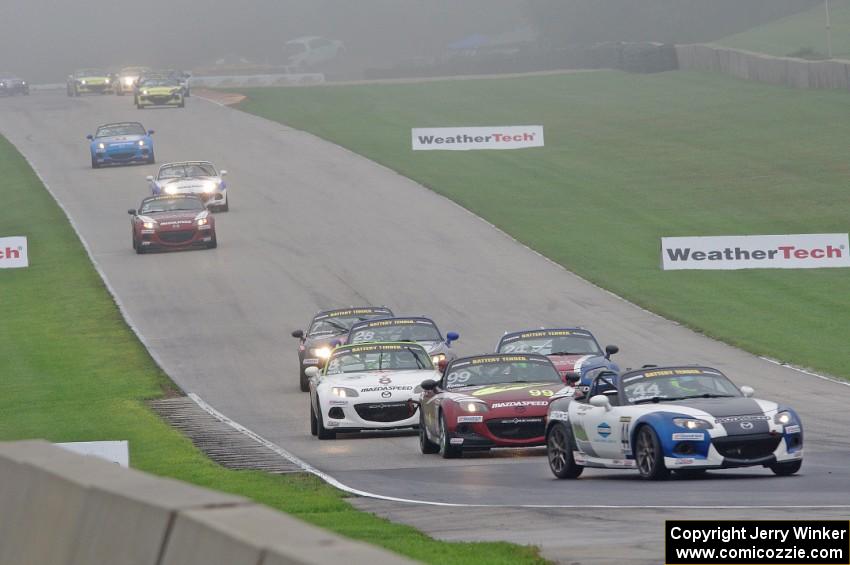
(604, 384)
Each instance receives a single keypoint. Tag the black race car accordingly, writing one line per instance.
(328, 329)
(11, 85)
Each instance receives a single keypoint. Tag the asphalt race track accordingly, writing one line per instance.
(315, 226)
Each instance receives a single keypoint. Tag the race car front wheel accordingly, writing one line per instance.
(314, 427)
(304, 380)
(560, 446)
(649, 457)
(447, 450)
(152, 158)
(426, 446)
(786, 468)
(94, 163)
(321, 431)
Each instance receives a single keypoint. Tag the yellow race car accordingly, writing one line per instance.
(90, 81)
(159, 92)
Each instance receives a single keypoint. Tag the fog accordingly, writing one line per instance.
(44, 40)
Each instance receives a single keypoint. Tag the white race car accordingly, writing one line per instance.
(368, 386)
(685, 419)
(193, 177)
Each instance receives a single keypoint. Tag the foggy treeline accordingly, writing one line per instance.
(46, 39)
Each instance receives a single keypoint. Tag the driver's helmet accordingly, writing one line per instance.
(687, 385)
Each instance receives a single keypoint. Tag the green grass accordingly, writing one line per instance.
(628, 159)
(71, 370)
(799, 31)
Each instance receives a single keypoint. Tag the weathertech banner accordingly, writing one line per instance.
(13, 252)
(800, 251)
(465, 139)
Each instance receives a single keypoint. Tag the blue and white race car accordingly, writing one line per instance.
(684, 419)
(121, 144)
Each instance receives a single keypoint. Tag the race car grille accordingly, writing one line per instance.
(122, 156)
(176, 236)
(754, 446)
(517, 428)
(384, 411)
(160, 99)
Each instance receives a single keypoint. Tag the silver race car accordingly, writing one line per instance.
(193, 177)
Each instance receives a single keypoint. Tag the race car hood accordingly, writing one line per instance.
(731, 413)
(120, 139)
(378, 383)
(178, 218)
(93, 79)
(511, 398)
(192, 185)
(159, 90)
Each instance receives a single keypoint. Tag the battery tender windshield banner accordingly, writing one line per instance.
(762, 542)
(470, 138)
(798, 251)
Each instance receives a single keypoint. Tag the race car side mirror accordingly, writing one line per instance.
(90, 137)
(298, 333)
(572, 378)
(312, 372)
(151, 132)
(452, 336)
(149, 178)
(610, 350)
(747, 391)
(223, 172)
(601, 401)
(429, 384)
(131, 211)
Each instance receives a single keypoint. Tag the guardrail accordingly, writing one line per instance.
(58, 507)
(787, 71)
(257, 80)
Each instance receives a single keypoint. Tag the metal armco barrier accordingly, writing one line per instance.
(257, 80)
(786, 71)
(57, 507)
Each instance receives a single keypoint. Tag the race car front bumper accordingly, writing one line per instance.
(93, 88)
(726, 452)
(124, 154)
(177, 238)
(525, 431)
(160, 99)
(356, 414)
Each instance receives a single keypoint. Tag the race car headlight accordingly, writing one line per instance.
(475, 407)
(145, 92)
(171, 190)
(438, 357)
(203, 221)
(149, 225)
(128, 81)
(83, 81)
(101, 146)
(321, 352)
(692, 423)
(141, 143)
(783, 418)
(344, 392)
(209, 187)
(107, 81)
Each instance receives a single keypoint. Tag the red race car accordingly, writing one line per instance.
(172, 222)
(488, 401)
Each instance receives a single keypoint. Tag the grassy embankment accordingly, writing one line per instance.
(71, 370)
(628, 159)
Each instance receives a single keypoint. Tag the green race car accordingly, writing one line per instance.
(159, 91)
(90, 81)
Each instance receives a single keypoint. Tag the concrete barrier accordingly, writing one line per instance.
(786, 71)
(57, 507)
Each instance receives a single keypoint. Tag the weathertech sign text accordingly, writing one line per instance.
(464, 139)
(800, 251)
(13, 252)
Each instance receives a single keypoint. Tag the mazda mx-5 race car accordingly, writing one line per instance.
(572, 350)
(125, 82)
(11, 85)
(684, 419)
(172, 222)
(417, 328)
(159, 91)
(193, 177)
(121, 144)
(89, 81)
(326, 330)
(488, 401)
(368, 386)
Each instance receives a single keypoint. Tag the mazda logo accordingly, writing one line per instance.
(387, 394)
(746, 425)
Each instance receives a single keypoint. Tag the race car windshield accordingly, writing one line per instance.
(192, 170)
(113, 130)
(340, 324)
(557, 345)
(401, 359)
(90, 73)
(171, 205)
(467, 374)
(640, 389)
(418, 331)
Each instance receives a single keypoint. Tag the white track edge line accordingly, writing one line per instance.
(306, 467)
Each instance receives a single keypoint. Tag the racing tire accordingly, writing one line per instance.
(426, 446)
(560, 445)
(225, 207)
(182, 104)
(786, 468)
(446, 449)
(321, 431)
(213, 244)
(139, 106)
(94, 163)
(152, 158)
(68, 91)
(303, 380)
(649, 456)
(76, 91)
(140, 250)
(314, 425)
